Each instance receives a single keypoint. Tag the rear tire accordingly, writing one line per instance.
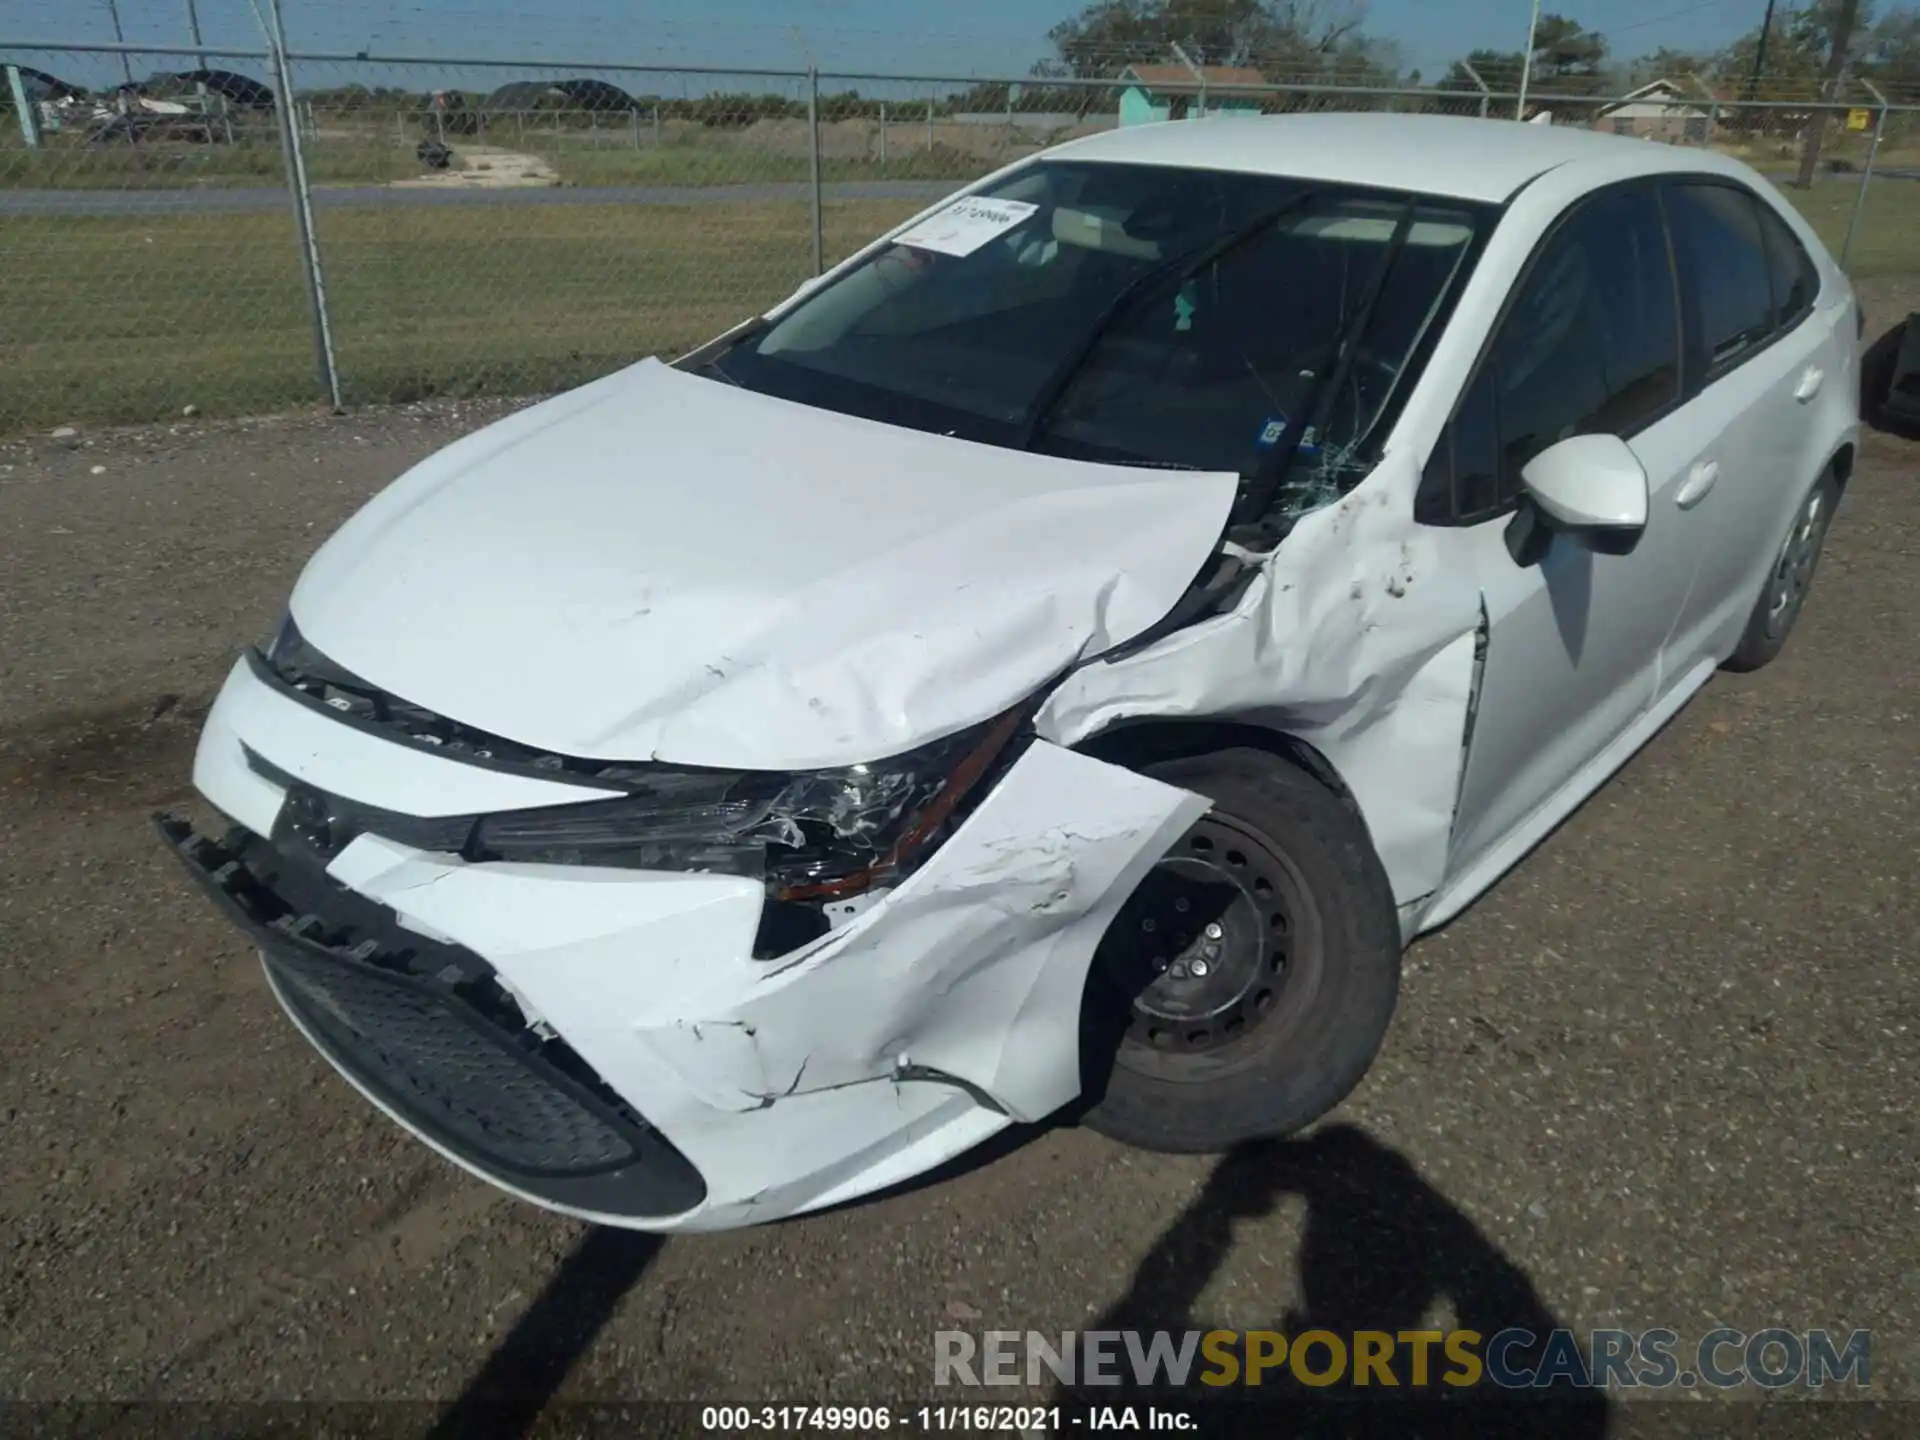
(1789, 579)
(1246, 986)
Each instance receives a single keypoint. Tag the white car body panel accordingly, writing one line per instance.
(1773, 446)
(686, 572)
(901, 586)
(1356, 639)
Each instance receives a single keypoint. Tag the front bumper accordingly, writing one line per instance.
(601, 1041)
(425, 1030)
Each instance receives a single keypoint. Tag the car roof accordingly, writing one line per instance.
(1457, 157)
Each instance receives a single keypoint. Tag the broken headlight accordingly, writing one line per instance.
(811, 836)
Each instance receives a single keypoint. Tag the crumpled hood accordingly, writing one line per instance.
(662, 566)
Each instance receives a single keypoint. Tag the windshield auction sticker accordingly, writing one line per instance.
(964, 226)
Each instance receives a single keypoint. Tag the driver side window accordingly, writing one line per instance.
(1590, 344)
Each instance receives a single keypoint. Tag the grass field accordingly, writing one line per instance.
(704, 165)
(115, 319)
(1888, 243)
(364, 153)
(356, 161)
(119, 319)
(254, 159)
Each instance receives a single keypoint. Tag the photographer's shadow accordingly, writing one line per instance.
(1381, 1251)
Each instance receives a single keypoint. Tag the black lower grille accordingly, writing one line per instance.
(438, 1065)
(427, 1029)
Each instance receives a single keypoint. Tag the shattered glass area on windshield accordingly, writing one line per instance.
(1141, 315)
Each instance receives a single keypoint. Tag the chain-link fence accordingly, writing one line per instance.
(405, 229)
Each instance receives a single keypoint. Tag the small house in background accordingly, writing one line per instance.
(1660, 111)
(1177, 92)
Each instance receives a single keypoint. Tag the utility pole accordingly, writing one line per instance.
(1847, 16)
(302, 197)
(1760, 53)
(193, 29)
(1526, 63)
(120, 38)
(199, 60)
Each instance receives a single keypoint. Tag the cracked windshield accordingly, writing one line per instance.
(1140, 315)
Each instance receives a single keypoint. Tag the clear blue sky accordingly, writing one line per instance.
(984, 37)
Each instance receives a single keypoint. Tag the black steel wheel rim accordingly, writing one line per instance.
(1208, 948)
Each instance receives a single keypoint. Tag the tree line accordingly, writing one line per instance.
(1327, 41)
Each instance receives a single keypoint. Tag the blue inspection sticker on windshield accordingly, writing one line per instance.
(1272, 430)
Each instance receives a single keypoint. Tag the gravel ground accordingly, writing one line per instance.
(1664, 1075)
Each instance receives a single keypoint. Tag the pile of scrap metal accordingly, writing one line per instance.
(136, 125)
(1890, 380)
(195, 106)
(52, 103)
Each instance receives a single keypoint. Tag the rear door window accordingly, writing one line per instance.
(1724, 264)
(1796, 280)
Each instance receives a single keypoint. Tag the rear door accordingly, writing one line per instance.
(1762, 365)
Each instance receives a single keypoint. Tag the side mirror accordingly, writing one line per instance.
(1591, 489)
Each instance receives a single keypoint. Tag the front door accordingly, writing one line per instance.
(1590, 345)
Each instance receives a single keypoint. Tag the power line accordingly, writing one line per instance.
(1675, 15)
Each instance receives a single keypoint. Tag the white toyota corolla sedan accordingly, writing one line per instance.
(1058, 658)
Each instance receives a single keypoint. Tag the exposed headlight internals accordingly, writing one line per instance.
(818, 835)
(813, 837)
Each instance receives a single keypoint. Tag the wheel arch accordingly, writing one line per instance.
(1135, 744)
(1841, 464)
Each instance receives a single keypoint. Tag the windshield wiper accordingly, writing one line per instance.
(1170, 271)
(1265, 484)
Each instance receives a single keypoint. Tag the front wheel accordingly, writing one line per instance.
(1789, 580)
(1246, 985)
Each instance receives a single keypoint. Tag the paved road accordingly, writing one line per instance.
(1665, 1075)
(213, 201)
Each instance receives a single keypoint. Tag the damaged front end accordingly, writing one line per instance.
(836, 835)
(665, 998)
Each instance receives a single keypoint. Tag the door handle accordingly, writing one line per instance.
(1811, 379)
(1702, 478)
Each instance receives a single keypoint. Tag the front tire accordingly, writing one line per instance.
(1246, 986)
(1789, 580)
